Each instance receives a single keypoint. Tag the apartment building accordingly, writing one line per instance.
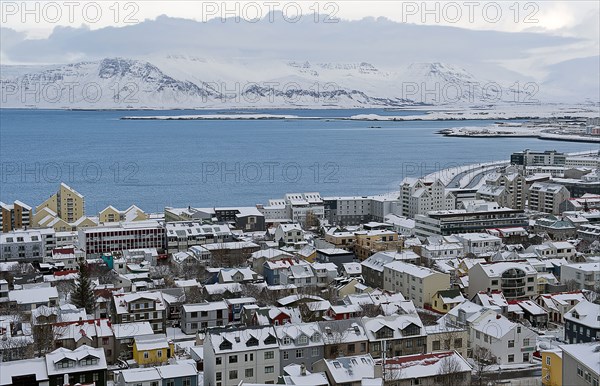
(182, 235)
(117, 237)
(140, 307)
(201, 316)
(477, 216)
(516, 279)
(27, 245)
(479, 243)
(249, 355)
(112, 214)
(396, 335)
(15, 216)
(416, 283)
(366, 243)
(585, 275)
(300, 344)
(68, 204)
(589, 232)
(536, 158)
(418, 196)
(507, 189)
(547, 197)
(558, 304)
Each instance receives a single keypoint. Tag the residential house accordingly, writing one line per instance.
(200, 316)
(581, 364)
(178, 374)
(152, 349)
(397, 334)
(441, 368)
(300, 344)
(582, 323)
(355, 370)
(417, 283)
(140, 306)
(516, 279)
(84, 365)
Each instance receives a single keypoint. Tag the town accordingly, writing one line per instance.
(483, 274)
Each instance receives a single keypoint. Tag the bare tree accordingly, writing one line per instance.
(484, 360)
(15, 348)
(262, 295)
(450, 372)
(371, 310)
(571, 285)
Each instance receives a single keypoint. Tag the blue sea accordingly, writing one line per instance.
(158, 163)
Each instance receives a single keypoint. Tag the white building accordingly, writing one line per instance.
(250, 354)
(586, 275)
(479, 243)
(516, 279)
(418, 196)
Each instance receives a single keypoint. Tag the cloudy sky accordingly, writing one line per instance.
(530, 38)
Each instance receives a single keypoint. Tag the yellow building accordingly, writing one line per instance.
(445, 300)
(552, 367)
(152, 349)
(112, 214)
(67, 203)
(14, 216)
(369, 242)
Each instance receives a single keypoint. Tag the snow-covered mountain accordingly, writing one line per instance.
(181, 81)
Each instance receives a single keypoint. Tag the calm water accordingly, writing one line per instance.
(209, 163)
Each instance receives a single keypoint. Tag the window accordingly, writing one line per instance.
(315, 351)
(248, 357)
(477, 335)
(526, 342)
(436, 345)
(249, 373)
(218, 376)
(548, 360)
(171, 382)
(511, 343)
(218, 360)
(269, 355)
(286, 355)
(95, 377)
(299, 353)
(233, 374)
(525, 357)
(154, 383)
(233, 359)
(146, 355)
(458, 343)
(579, 371)
(302, 339)
(159, 353)
(269, 369)
(511, 358)
(351, 348)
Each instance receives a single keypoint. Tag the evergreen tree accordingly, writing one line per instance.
(83, 294)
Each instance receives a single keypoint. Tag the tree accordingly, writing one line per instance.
(83, 295)
(484, 360)
(450, 372)
(571, 285)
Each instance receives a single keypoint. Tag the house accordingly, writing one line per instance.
(31, 298)
(582, 323)
(83, 365)
(530, 311)
(441, 368)
(445, 300)
(25, 372)
(344, 311)
(300, 344)
(507, 341)
(397, 334)
(95, 333)
(552, 367)
(445, 336)
(336, 256)
(236, 305)
(275, 316)
(350, 370)
(289, 234)
(201, 316)
(418, 284)
(124, 335)
(178, 374)
(325, 273)
(152, 349)
(369, 242)
(238, 275)
(140, 306)
(343, 337)
(249, 354)
(581, 364)
(299, 375)
(558, 304)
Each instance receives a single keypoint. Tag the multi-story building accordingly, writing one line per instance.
(558, 304)
(248, 354)
(507, 341)
(416, 283)
(551, 367)
(547, 197)
(580, 364)
(370, 242)
(14, 216)
(140, 307)
(516, 279)
(96, 241)
(418, 196)
(589, 232)
(300, 344)
(84, 365)
(249, 219)
(343, 337)
(477, 217)
(479, 243)
(182, 235)
(67, 203)
(201, 316)
(27, 245)
(354, 370)
(582, 323)
(584, 275)
(507, 189)
(396, 334)
(112, 214)
(536, 158)
(289, 234)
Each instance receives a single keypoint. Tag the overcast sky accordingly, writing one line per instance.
(527, 37)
